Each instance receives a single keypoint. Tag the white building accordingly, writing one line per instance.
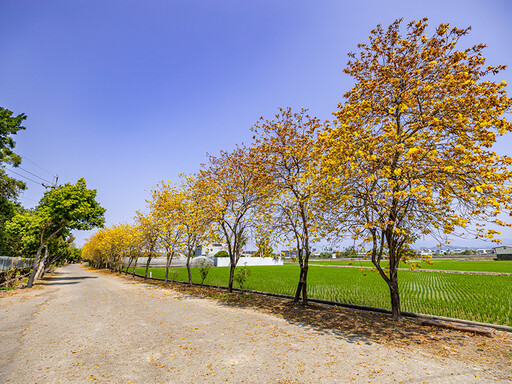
(210, 249)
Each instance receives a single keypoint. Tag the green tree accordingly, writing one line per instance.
(9, 187)
(70, 206)
(22, 233)
(222, 254)
(9, 125)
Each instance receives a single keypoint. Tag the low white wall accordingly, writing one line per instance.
(249, 261)
(181, 261)
(159, 262)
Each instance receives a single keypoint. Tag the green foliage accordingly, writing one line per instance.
(72, 206)
(203, 270)
(241, 276)
(8, 210)
(222, 254)
(9, 125)
(348, 252)
(23, 232)
(75, 253)
(9, 187)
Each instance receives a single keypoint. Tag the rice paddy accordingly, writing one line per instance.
(444, 265)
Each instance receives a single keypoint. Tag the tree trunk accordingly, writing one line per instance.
(119, 264)
(188, 268)
(129, 264)
(302, 286)
(305, 285)
(170, 263)
(147, 266)
(40, 267)
(34, 267)
(231, 277)
(395, 298)
(167, 265)
(299, 287)
(135, 265)
(48, 263)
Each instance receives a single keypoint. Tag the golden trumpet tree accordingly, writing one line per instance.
(92, 251)
(235, 189)
(192, 213)
(110, 247)
(149, 235)
(113, 244)
(411, 152)
(132, 244)
(285, 146)
(166, 207)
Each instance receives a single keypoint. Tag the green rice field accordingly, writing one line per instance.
(444, 265)
(483, 298)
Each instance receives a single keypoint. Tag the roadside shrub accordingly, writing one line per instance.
(241, 276)
(203, 270)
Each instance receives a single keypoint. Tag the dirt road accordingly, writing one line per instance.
(85, 327)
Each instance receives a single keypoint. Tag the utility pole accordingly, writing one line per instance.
(55, 179)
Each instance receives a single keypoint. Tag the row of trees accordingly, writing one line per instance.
(409, 154)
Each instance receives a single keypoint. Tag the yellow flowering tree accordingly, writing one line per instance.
(192, 213)
(166, 206)
(411, 152)
(149, 236)
(132, 244)
(234, 189)
(92, 250)
(285, 146)
(111, 247)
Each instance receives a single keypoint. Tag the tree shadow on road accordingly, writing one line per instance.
(55, 279)
(71, 278)
(355, 326)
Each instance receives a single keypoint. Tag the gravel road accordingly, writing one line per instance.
(84, 327)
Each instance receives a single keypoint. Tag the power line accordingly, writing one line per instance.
(33, 174)
(37, 165)
(25, 177)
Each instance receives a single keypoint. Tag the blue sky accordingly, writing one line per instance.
(126, 93)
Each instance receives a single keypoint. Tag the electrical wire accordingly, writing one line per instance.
(33, 174)
(25, 177)
(37, 165)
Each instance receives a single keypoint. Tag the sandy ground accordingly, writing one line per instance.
(84, 326)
